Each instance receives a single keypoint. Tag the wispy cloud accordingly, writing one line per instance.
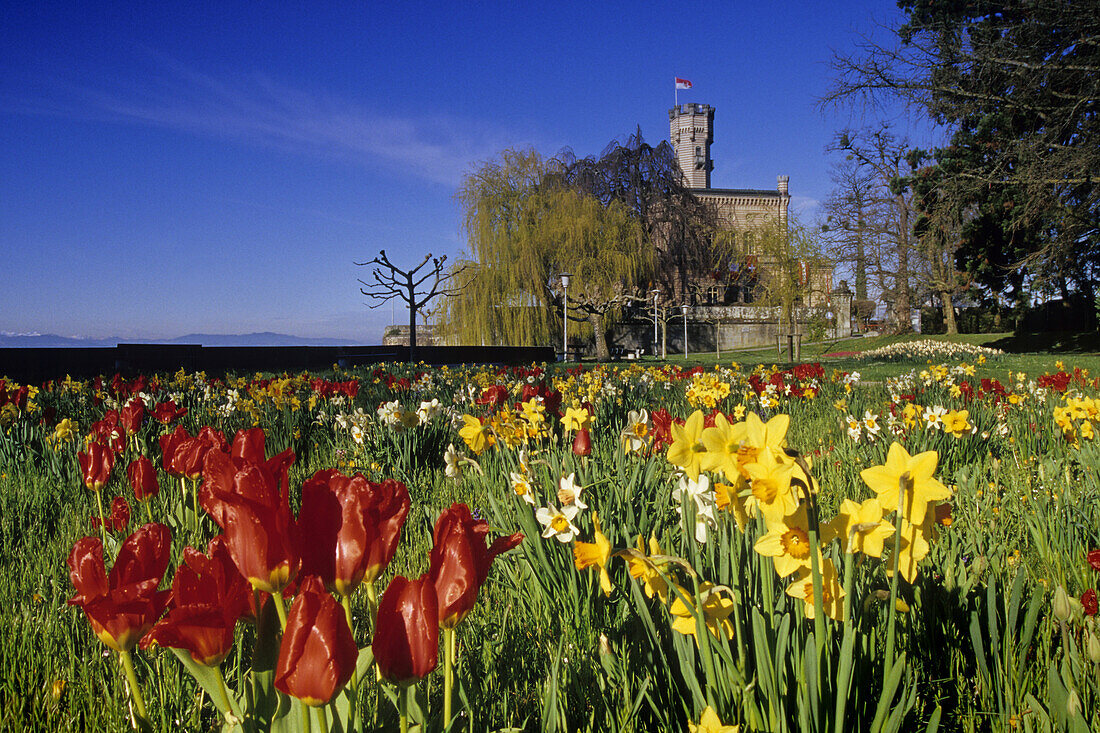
(805, 207)
(258, 110)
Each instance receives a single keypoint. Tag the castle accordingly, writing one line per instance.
(719, 313)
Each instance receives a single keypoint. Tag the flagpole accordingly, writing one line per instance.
(676, 93)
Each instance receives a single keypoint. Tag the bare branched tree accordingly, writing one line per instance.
(388, 281)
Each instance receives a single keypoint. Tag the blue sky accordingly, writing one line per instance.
(217, 166)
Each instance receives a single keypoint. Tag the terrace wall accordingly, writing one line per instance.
(35, 365)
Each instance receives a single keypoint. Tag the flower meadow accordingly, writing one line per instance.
(615, 548)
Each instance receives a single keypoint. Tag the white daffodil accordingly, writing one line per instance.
(452, 461)
(697, 491)
(855, 428)
(636, 432)
(522, 486)
(569, 493)
(558, 523)
(428, 410)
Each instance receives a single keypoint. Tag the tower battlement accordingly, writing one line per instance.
(691, 131)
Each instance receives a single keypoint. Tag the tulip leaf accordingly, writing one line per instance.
(340, 709)
(210, 681)
(264, 698)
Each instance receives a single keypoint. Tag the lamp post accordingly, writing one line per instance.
(684, 310)
(565, 316)
(655, 293)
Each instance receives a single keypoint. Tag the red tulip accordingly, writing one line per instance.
(1093, 558)
(132, 416)
(124, 605)
(96, 465)
(249, 446)
(353, 526)
(582, 443)
(108, 431)
(209, 596)
(406, 636)
(167, 412)
(142, 475)
(255, 516)
(460, 561)
(1089, 602)
(318, 653)
(119, 518)
(170, 447)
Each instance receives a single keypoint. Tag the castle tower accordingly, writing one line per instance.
(691, 131)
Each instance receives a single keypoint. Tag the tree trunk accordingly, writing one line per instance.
(412, 335)
(905, 319)
(948, 313)
(599, 333)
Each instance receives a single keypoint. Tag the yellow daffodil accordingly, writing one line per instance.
(957, 423)
(575, 418)
(686, 450)
(917, 471)
(914, 548)
(645, 568)
(478, 437)
(595, 554)
(771, 435)
(709, 722)
(723, 443)
(832, 592)
(726, 497)
(717, 605)
(787, 542)
(770, 483)
(860, 527)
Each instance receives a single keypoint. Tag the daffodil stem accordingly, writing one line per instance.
(702, 636)
(448, 673)
(280, 608)
(819, 595)
(132, 683)
(353, 700)
(893, 611)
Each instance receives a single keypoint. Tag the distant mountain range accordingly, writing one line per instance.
(266, 338)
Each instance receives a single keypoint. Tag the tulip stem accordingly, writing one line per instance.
(403, 707)
(448, 673)
(195, 503)
(353, 699)
(280, 608)
(322, 718)
(148, 509)
(224, 690)
(307, 719)
(102, 519)
(132, 682)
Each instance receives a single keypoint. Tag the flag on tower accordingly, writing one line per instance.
(682, 83)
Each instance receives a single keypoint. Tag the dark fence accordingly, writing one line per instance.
(34, 365)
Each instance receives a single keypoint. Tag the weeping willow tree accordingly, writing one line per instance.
(525, 226)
